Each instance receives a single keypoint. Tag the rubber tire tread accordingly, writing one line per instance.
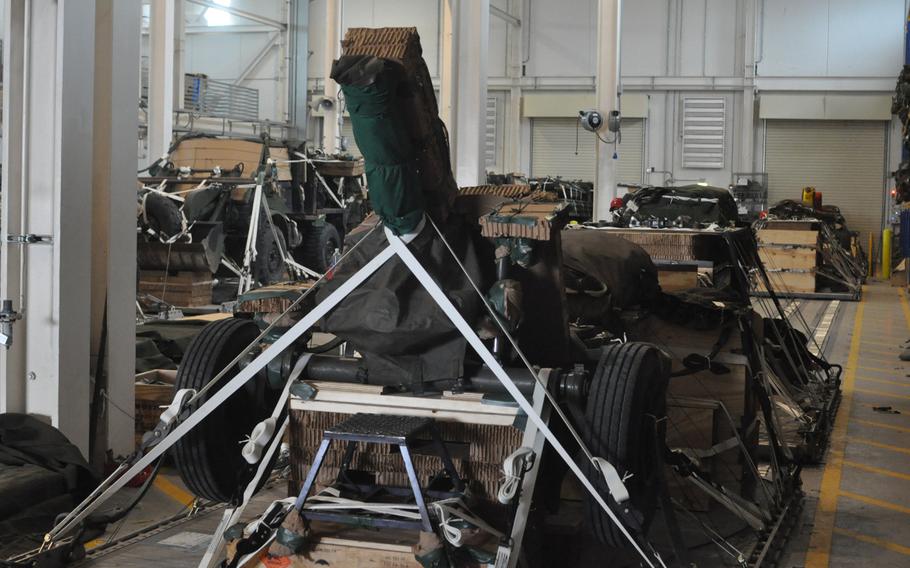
(163, 215)
(213, 348)
(265, 243)
(314, 244)
(629, 382)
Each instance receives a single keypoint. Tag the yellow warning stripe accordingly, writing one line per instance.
(884, 381)
(174, 491)
(881, 425)
(883, 343)
(881, 543)
(884, 370)
(885, 394)
(876, 502)
(878, 470)
(894, 354)
(875, 444)
(819, 551)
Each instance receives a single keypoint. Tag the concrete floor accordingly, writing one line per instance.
(857, 508)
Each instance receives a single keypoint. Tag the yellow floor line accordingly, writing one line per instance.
(883, 381)
(894, 354)
(883, 393)
(878, 470)
(895, 343)
(884, 370)
(819, 552)
(875, 444)
(881, 543)
(875, 502)
(881, 425)
(902, 411)
(174, 491)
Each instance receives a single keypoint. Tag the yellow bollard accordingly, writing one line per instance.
(870, 260)
(886, 254)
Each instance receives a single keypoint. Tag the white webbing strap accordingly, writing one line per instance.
(467, 331)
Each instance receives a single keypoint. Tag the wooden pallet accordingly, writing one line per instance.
(186, 289)
(789, 252)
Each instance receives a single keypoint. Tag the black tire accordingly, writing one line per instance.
(629, 385)
(208, 458)
(268, 267)
(163, 215)
(319, 244)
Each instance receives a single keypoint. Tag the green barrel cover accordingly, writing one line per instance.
(390, 159)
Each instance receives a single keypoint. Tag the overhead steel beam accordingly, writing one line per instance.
(503, 15)
(298, 61)
(257, 59)
(241, 14)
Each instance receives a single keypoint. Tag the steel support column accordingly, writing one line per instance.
(330, 130)
(179, 51)
(298, 49)
(466, 40)
(117, 27)
(161, 79)
(515, 54)
(607, 90)
(448, 70)
(47, 191)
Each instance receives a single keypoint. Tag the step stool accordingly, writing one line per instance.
(379, 429)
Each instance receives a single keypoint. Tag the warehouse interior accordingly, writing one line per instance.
(455, 283)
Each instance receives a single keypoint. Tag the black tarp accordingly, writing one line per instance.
(691, 206)
(392, 320)
(605, 272)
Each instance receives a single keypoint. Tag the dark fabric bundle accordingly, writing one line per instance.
(375, 91)
(393, 321)
(691, 206)
(605, 272)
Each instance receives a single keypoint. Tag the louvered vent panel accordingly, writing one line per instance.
(704, 132)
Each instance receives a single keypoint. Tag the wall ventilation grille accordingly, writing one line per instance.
(704, 132)
(489, 145)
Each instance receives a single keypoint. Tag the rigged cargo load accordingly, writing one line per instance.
(382, 71)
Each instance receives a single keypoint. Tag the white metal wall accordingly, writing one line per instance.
(844, 159)
(554, 153)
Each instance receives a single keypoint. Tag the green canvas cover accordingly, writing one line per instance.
(375, 91)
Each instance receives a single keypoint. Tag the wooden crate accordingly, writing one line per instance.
(154, 389)
(789, 252)
(188, 289)
(674, 279)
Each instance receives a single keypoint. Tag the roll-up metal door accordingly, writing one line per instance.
(553, 150)
(843, 159)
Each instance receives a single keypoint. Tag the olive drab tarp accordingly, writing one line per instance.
(375, 91)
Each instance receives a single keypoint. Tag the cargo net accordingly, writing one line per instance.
(804, 387)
